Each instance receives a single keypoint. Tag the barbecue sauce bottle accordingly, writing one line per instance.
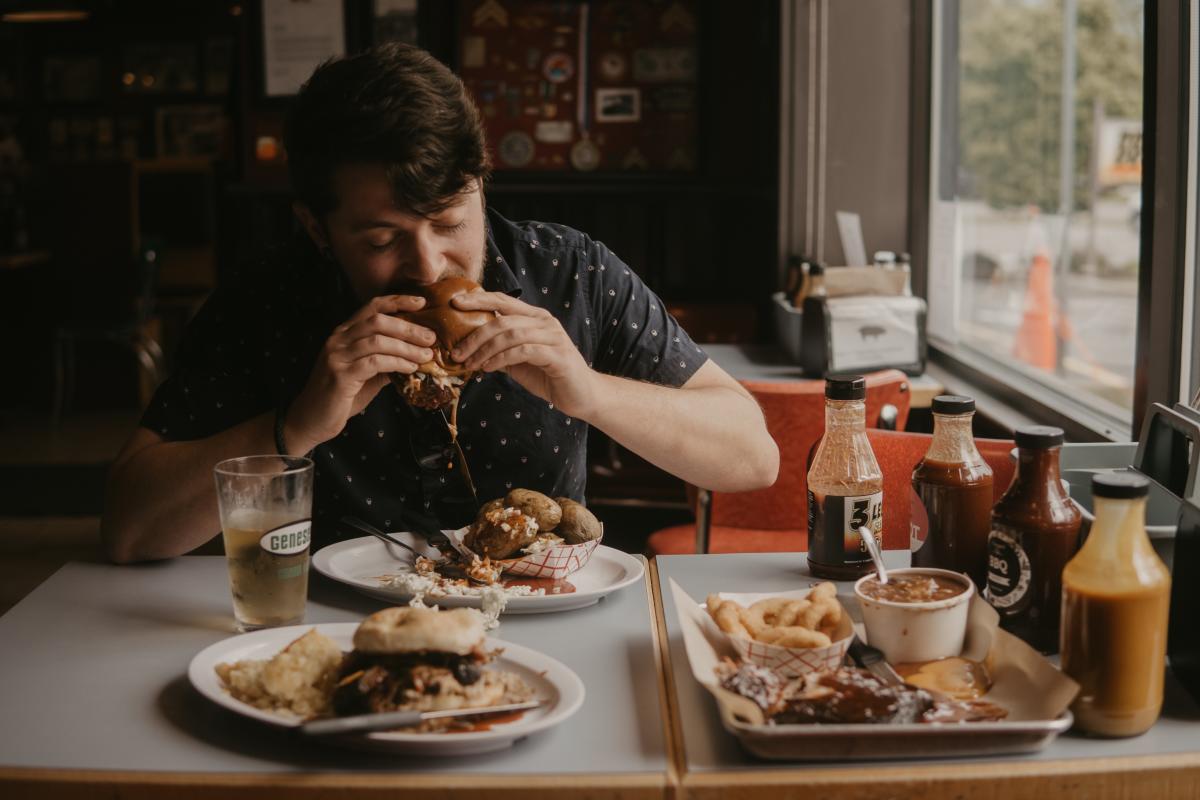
(952, 496)
(845, 485)
(1116, 593)
(1035, 532)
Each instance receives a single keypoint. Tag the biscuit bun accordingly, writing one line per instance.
(449, 323)
(409, 630)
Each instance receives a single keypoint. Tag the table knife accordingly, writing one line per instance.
(872, 660)
(386, 720)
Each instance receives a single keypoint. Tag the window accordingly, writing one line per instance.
(1190, 380)
(1035, 197)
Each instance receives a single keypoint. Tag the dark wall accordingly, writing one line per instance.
(706, 238)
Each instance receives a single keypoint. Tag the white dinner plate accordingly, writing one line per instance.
(360, 562)
(559, 689)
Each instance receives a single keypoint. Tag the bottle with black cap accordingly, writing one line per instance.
(814, 334)
(1035, 532)
(1116, 594)
(952, 495)
(845, 486)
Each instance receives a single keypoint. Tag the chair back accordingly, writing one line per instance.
(795, 416)
(898, 453)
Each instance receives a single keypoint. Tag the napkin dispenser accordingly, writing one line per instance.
(861, 333)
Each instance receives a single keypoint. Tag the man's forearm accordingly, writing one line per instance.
(713, 437)
(161, 500)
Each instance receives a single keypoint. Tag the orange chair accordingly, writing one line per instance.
(898, 453)
(772, 520)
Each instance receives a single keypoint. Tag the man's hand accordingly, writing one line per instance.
(353, 366)
(530, 345)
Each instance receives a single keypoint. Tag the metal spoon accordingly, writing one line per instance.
(868, 537)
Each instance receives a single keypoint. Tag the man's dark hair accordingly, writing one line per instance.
(394, 105)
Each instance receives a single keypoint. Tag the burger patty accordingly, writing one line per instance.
(371, 682)
(425, 391)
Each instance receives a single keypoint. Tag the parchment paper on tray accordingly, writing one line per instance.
(1033, 691)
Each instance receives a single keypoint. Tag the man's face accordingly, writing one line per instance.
(382, 248)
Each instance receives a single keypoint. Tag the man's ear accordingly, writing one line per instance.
(316, 230)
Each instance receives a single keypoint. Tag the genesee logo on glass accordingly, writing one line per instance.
(287, 539)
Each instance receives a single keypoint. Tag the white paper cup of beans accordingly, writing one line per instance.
(919, 615)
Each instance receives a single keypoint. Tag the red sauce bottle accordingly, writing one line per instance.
(952, 495)
(1035, 532)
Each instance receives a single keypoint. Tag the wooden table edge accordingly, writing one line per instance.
(55, 783)
(999, 769)
(677, 754)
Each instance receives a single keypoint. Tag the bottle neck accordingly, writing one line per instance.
(952, 440)
(1119, 532)
(1039, 470)
(845, 416)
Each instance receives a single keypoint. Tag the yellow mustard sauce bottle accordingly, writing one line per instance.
(1115, 600)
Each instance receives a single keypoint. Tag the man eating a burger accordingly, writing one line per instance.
(540, 332)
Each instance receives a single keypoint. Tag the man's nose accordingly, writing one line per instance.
(428, 262)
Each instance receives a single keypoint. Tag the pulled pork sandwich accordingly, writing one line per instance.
(436, 384)
(422, 659)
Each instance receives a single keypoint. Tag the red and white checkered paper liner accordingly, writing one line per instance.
(787, 661)
(553, 564)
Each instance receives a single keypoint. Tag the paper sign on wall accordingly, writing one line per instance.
(297, 36)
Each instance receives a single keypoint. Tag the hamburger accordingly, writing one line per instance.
(436, 384)
(422, 659)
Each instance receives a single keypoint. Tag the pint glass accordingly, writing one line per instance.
(266, 519)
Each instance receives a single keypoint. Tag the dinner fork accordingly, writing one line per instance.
(366, 527)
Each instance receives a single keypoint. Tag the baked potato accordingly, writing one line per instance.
(578, 525)
(537, 505)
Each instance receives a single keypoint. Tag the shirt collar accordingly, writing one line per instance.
(497, 272)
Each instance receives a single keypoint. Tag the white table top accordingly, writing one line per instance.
(93, 676)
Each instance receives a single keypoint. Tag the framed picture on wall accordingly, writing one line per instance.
(394, 21)
(189, 131)
(71, 79)
(618, 105)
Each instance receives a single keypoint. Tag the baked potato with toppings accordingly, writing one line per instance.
(537, 505)
(501, 533)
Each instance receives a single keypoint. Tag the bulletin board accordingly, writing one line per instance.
(588, 85)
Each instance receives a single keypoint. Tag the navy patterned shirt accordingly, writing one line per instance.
(252, 346)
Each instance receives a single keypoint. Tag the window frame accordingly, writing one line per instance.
(1166, 220)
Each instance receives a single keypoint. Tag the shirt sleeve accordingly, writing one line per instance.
(217, 381)
(635, 336)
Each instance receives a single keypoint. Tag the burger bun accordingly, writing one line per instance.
(451, 325)
(414, 629)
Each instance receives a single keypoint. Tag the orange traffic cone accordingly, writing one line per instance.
(1036, 343)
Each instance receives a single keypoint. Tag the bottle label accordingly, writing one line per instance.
(1009, 574)
(918, 524)
(833, 524)
(288, 539)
